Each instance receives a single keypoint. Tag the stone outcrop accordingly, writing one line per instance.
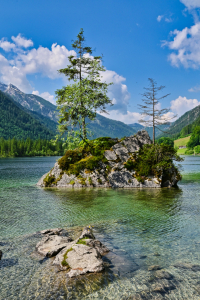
(78, 257)
(111, 171)
(51, 245)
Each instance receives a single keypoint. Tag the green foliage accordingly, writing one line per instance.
(49, 180)
(87, 156)
(197, 149)
(29, 147)
(184, 125)
(81, 179)
(64, 261)
(166, 140)
(80, 100)
(82, 241)
(152, 160)
(195, 138)
(189, 152)
(16, 122)
(90, 181)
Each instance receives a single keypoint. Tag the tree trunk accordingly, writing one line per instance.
(153, 116)
(84, 129)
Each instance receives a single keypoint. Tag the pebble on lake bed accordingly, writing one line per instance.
(154, 268)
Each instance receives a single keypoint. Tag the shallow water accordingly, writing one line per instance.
(141, 227)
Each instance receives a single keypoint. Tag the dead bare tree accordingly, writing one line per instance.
(152, 115)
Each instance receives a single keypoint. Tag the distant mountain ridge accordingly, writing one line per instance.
(45, 112)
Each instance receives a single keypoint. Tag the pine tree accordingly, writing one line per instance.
(152, 115)
(87, 94)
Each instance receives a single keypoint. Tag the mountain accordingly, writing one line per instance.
(45, 113)
(30, 101)
(16, 122)
(136, 126)
(188, 118)
(103, 126)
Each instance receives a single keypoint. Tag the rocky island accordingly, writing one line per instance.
(129, 162)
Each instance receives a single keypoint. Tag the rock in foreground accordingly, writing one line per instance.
(78, 257)
(107, 162)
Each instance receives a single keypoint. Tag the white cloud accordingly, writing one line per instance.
(21, 41)
(45, 96)
(185, 46)
(128, 117)
(11, 74)
(191, 4)
(182, 105)
(45, 61)
(159, 18)
(168, 19)
(117, 92)
(194, 89)
(6, 46)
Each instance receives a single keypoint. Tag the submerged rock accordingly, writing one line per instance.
(81, 256)
(1, 254)
(154, 267)
(110, 166)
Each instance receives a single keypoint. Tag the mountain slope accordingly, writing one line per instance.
(15, 122)
(188, 118)
(45, 113)
(30, 101)
(103, 126)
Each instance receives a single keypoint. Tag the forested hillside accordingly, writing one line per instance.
(15, 122)
(188, 118)
(45, 113)
(28, 147)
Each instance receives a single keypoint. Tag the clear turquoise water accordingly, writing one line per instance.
(137, 225)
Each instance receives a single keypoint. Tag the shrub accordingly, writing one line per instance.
(152, 160)
(49, 180)
(87, 156)
(190, 152)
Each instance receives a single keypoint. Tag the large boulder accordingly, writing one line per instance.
(79, 259)
(50, 245)
(81, 256)
(111, 169)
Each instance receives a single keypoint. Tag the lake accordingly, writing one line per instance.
(141, 228)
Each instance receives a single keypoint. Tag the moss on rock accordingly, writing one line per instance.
(49, 180)
(64, 261)
(86, 157)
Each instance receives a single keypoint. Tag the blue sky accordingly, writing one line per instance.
(139, 39)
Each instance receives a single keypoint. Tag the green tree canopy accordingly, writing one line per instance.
(87, 93)
(166, 140)
(195, 138)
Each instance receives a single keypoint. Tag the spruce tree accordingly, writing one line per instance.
(86, 94)
(151, 113)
